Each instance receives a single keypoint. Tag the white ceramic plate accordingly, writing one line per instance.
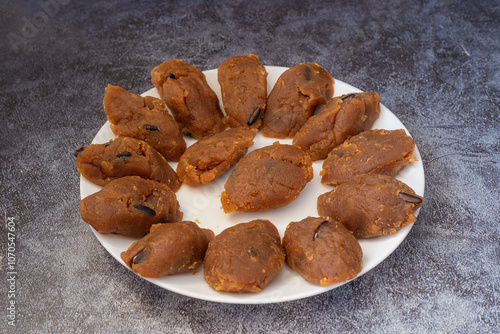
(202, 204)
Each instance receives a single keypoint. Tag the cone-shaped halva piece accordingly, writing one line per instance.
(322, 251)
(211, 156)
(129, 206)
(294, 98)
(193, 103)
(337, 121)
(267, 178)
(124, 156)
(168, 249)
(243, 82)
(143, 118)
(371, 205)
(370, 152)
(244, 258)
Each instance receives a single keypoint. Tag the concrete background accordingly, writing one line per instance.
(436, 65)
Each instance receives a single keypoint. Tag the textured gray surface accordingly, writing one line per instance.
(436, 65)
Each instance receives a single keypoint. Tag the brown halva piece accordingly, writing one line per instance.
(211, 156)
(371, 205)
(244, 257)
(322, 251)
(294, 97)
(267, 178)
(370, 152)
(243, 82)
(129, 206)
(168, 249)
(144, 118)
(123, 156)
(193, 103)
(338, 120)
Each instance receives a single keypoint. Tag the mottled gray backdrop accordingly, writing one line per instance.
(436, 65)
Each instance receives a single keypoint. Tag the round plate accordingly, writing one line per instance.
(202, 204)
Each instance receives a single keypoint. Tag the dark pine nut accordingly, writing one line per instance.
(410, 198)
(348, 97)
(139, 257)
(79, 150)
(150, 127)
(145, 209)
(254, 116)
(316, 231)
(123, 154)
